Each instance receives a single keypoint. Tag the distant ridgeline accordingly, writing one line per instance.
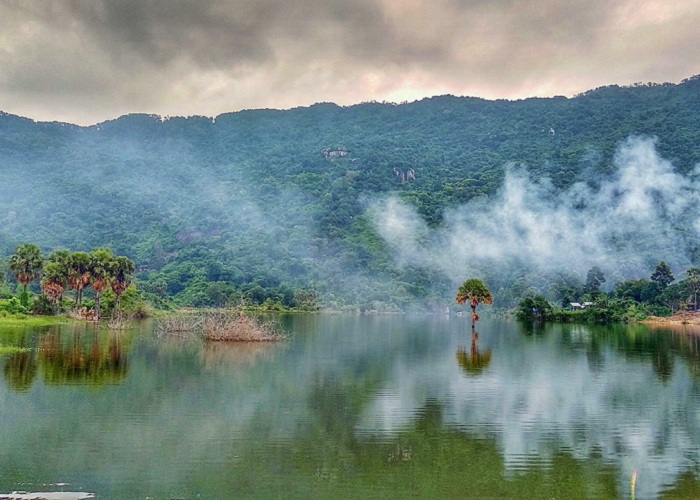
(277, 206)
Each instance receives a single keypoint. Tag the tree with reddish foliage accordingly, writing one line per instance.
(120, 270)
(100, 260)
(79, 274)
(475, 292)
(53, 283)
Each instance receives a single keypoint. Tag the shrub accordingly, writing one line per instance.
(42, 306)
(534, 308)
(12, 306)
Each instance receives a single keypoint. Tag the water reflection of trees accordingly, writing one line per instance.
(20, 371)
(474, 362)
(658, 346)
(82, 363)
(423, 459)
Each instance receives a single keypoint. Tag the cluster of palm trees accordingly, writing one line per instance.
(62, 269)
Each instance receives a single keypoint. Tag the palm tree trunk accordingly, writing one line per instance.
(116, 305)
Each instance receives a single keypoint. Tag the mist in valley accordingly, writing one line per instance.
(644, 213)
(255, 203)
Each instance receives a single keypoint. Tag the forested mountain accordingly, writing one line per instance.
(292, 205)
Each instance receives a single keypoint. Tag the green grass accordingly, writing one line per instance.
(25, 320)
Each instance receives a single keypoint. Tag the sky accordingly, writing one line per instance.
(86, 61)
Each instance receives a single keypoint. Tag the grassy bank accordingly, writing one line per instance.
(25, 320)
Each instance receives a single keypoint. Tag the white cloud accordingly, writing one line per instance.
(627, 224)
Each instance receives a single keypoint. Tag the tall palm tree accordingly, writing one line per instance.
(475, 292)
(100, 260)
(60, 272)
(26, 263)
(121, 270)
(53, 283)
(79, 274)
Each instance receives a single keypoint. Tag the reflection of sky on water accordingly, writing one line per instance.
(539, 397)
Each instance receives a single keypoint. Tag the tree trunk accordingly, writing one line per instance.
(475, 316)
(116, 305)
(97, 306)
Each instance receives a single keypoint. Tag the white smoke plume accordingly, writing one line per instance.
(644, 213)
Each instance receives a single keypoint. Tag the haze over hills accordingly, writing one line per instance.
(374, 205)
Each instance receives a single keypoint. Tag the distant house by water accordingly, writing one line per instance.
(577, 306)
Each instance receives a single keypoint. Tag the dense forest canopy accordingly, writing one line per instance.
(378, 206)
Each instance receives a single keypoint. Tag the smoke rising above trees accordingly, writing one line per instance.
(645, 210)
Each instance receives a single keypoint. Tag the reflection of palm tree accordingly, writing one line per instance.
(116, 361)
(20, 371)
(82, 363)
(475, 362)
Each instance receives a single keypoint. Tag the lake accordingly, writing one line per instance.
(383, 406)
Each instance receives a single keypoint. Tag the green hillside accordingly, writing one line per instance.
(282, 205)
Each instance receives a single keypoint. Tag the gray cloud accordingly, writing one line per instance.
(82, 60)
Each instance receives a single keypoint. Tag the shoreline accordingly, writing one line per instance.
(682, 323)
(682, 318)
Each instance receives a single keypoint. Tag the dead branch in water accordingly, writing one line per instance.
(179, 325)
(238, 327)
(229, 326)
(118, 321)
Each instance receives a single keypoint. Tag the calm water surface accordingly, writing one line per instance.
(354, 406)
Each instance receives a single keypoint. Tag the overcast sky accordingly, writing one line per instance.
(85, 61)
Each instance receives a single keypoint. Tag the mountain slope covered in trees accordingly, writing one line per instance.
(282, 205)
